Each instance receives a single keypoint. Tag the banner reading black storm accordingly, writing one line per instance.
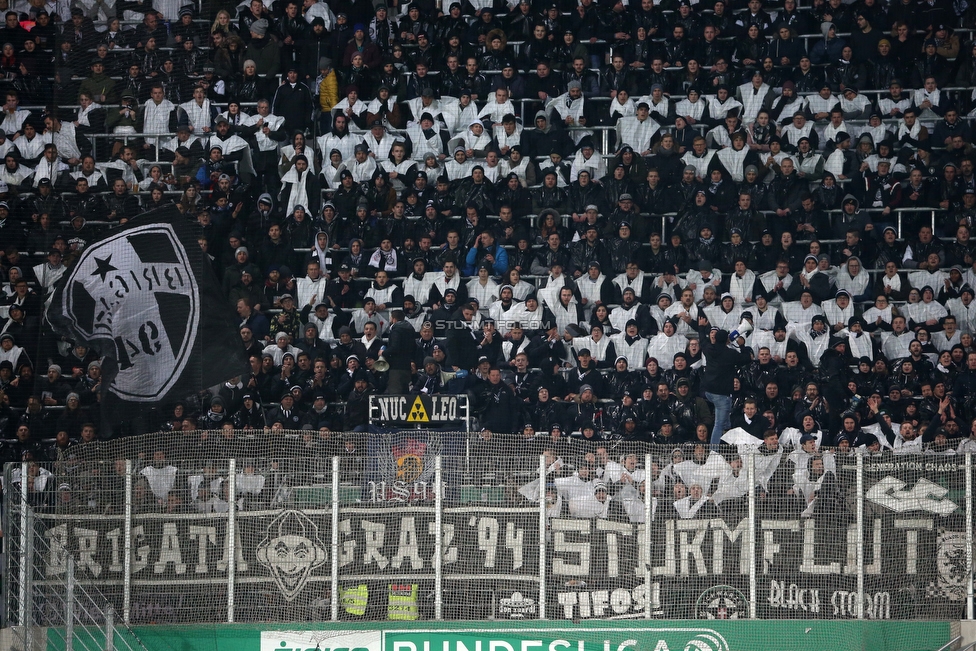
(146, 298)
(912, 547)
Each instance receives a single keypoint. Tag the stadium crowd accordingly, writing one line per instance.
(559, 209)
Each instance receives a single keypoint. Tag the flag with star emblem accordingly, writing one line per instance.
(146, 298)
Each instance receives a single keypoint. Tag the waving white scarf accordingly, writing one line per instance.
(298, 195)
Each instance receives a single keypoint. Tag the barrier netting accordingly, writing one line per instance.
(300, 526)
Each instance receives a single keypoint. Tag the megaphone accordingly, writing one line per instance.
(741, 330)
(381, 365)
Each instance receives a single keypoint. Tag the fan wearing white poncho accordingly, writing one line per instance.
(664, 345)
(704, 466)
(587, 158)
(228, 142)
(926, 312)
(200, 112)
(554, 497)
(767, 453)
(595, 505)
(361, 165)
(697, 504)
(157, 115)
(838, 310)
(573, 111)
(339, 138)
(859, 343)
(854, 278)
(737, 157)
(815, 337)
(160, 476)
(300, 187)
(801, 313)
(424, 138)
(459, 167)
(812, 470)
(726, 315)
(639, 131)
(498, 107)
(379, 141)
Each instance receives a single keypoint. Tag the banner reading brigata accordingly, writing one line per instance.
(493, 552)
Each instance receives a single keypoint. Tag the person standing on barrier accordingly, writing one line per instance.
(399, 351)
(723, 362)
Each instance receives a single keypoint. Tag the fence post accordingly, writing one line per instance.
(751, 478)
(648, 501)
(127, 546)
(542, 536)
(25, 558)
(860, 535)
(231, 535)
(109, 628)
(969, 535)
(335, 538)
(28, 605)
(69, 606)
(438, 539)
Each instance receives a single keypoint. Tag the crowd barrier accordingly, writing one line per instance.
(422, 525)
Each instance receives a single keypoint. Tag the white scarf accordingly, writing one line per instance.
(322, 255)
(894, 282)
(298, 195)
(83, 113)
(732, 161)
(375, 260)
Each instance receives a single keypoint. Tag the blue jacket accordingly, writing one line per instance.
(476, 254)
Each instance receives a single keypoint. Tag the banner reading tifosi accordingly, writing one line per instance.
(484, 548)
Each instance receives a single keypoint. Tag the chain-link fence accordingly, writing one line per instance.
(302, 526)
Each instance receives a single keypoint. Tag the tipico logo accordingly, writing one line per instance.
(320, 641)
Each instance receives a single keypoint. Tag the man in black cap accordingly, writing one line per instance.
(589, 249)
(286, 412)
(347, 196)
(340, 290)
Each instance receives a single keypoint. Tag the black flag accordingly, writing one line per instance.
(146, 298)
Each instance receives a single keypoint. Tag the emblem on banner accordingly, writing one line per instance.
(418, 413)
(950, 562)
(290, 550)
(410, 459)
(517, 606)
(721, 602)
(137, 289)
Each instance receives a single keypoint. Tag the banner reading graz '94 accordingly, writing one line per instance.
(911, 546)
(179, 562)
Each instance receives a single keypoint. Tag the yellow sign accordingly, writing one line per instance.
(418, 413)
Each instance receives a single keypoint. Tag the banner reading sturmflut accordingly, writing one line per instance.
(145, 297)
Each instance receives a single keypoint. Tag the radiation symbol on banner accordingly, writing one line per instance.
(418, 413)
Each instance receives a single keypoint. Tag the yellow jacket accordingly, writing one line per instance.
(328, 92)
